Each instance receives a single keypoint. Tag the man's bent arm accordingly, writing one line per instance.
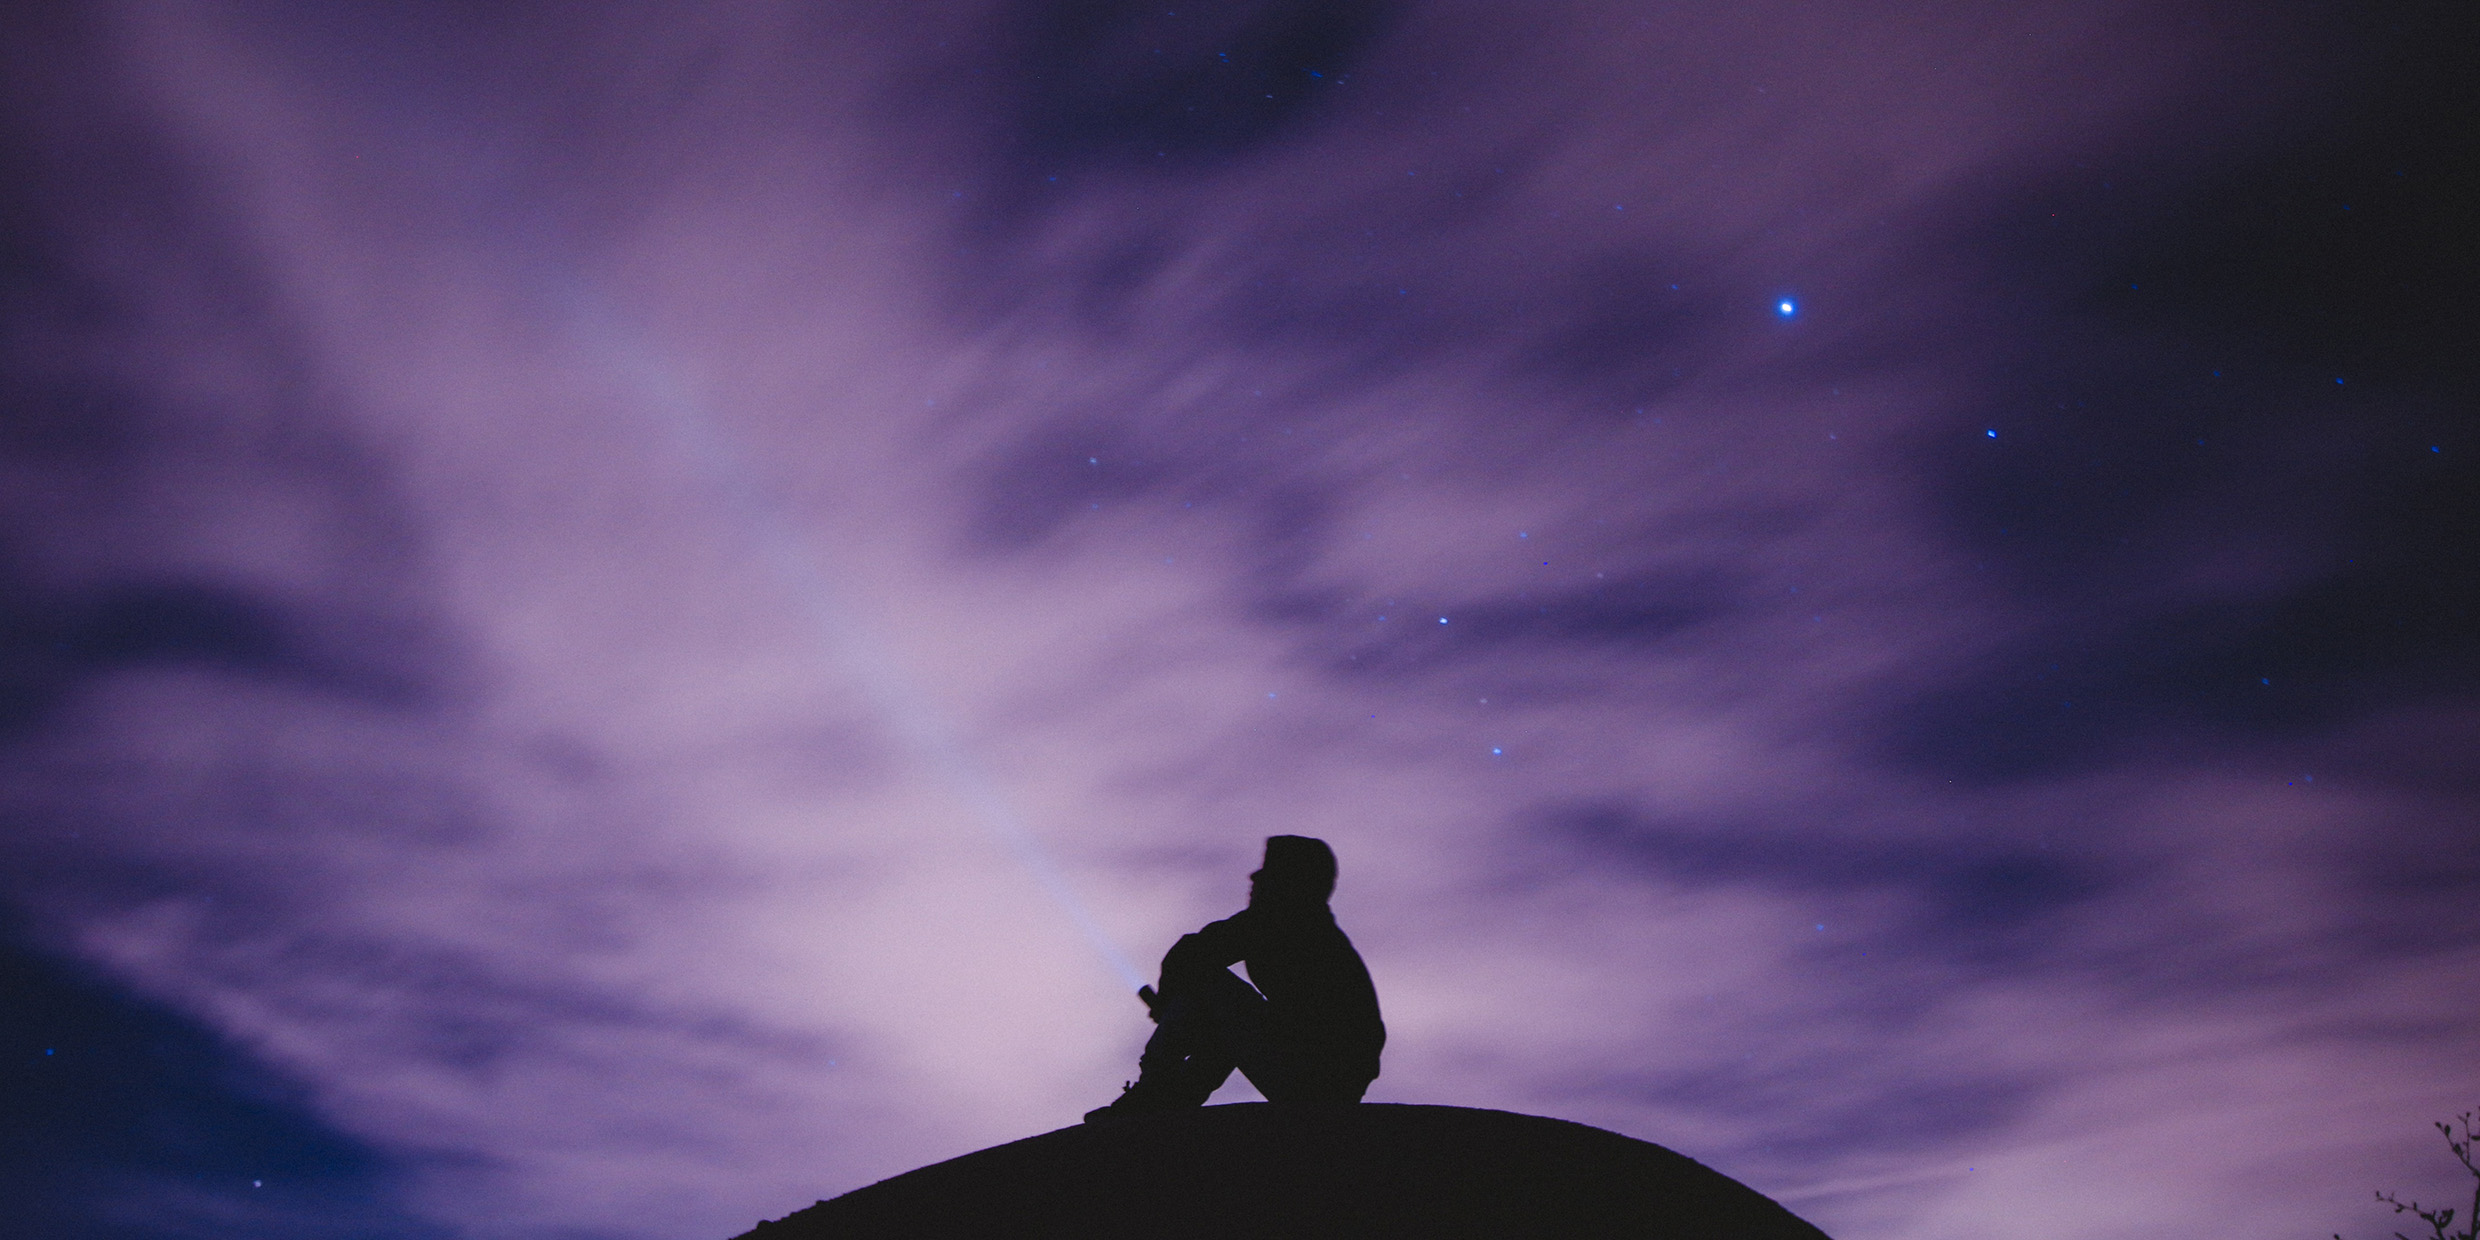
(1219, 945)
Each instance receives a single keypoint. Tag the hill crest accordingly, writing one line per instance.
(1307, 1172)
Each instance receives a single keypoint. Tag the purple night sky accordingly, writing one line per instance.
(618, 617)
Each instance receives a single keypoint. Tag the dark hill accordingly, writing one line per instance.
(1301, 1173)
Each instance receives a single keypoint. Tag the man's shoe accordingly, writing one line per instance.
(1117, 1108)
(1141, 1097)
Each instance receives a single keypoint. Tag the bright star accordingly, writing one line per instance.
(1786, 307)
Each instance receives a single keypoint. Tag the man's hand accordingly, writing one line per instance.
(1146, 995)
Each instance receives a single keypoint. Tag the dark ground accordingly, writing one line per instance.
(1260, 1170)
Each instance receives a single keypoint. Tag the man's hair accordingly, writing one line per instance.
(1299, 867)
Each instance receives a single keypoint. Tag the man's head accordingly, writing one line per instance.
(1298, 870)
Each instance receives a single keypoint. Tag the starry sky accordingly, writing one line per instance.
(618, 617)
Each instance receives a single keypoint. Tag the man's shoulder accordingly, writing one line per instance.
(1294, 923)
(1273, 923)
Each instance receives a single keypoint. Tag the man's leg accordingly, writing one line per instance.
(1292, 1069)
(1201, 1022)
(1281, 1068)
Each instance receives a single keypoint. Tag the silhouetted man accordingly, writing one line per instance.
(1308, 1031)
